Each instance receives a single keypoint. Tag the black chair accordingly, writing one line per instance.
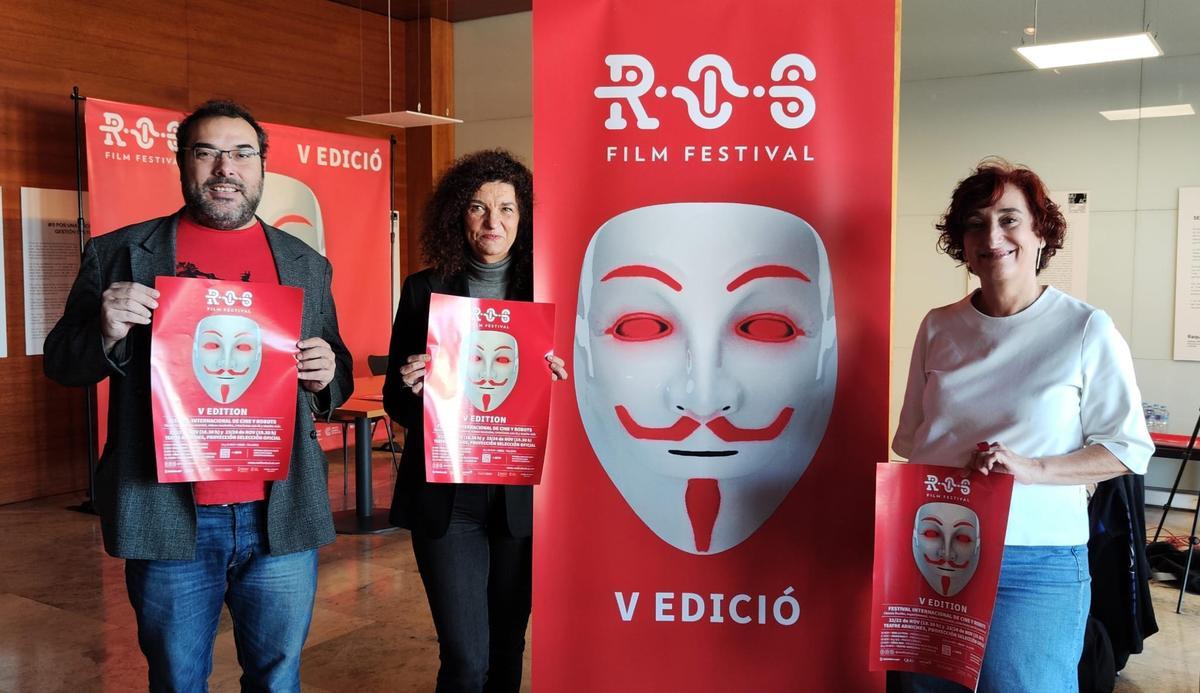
(1192, 539)
(378, 365)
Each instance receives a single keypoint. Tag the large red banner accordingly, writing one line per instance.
(328, 189)
(714, 201)
(223, 379)
(487, 393)
(939, 539)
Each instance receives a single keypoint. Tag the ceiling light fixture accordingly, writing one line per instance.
(1179, 109)
(405, 118)
(1104, 50)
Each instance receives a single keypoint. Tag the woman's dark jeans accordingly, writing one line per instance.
(478, 581)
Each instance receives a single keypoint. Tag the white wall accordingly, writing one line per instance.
(493, 95)
(952, 117)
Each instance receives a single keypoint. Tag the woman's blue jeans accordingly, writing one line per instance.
(1036, 637)
(178, 604)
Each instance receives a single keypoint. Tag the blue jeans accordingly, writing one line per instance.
(478, 579)
(1042, 605)
(178, 604)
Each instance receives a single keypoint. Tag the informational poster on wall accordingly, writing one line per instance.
(223, 379)
(939, 540)
(1187, 277)
(487, 390)
(1067, 271)
(328, 189)
(50, 256)
(715, 216)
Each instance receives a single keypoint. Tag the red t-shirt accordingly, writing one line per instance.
(242, 255)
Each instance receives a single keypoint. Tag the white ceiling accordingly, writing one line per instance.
(957, 38)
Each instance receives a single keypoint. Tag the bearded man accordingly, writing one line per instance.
(190, 547)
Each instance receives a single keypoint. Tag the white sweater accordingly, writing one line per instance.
(1049, 380)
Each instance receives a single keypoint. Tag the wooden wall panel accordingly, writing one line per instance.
(430, 60)
(308, 63)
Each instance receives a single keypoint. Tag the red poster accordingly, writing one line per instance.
(487, 394)
(939, 539)
(714, 186)
(328, 189)
(223, 379)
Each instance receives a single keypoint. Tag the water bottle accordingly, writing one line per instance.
(1164, 418)
(1153, 413)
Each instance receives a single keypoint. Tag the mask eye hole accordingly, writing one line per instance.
(964, 539)
(477, 358)
(503, 360)
(640, 327)
(244, 348)
(210, 346)
(768, 327)
(931, 534)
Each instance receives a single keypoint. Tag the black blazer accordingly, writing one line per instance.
(422, 507)
(140, 517)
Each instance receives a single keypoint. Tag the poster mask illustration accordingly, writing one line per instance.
(493, 362)
(486, 412)
(223, 378)
(226, 355)
(706, 356)
(946, 546)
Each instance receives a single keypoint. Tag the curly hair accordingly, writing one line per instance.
(983, 188)
(443, 239)
(216, 108)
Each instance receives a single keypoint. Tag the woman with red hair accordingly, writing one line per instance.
(1046, 383)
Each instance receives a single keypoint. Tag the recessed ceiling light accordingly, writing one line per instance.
(1179, 109)
(1105, 50)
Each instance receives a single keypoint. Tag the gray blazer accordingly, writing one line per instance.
(140, 517)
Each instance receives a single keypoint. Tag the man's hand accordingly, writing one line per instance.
(315, 363)
(123, 305)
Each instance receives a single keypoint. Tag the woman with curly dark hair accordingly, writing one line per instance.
(472, 541)
(1022, 379)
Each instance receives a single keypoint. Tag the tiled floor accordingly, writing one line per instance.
(65, 624)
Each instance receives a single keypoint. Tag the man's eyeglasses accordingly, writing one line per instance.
(238, 155)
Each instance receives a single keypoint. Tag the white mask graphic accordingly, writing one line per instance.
(291, 206)
(226, 355)
(946, 546)
(706, 348)
(491, 368)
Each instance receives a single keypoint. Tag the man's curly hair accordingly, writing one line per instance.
(443, 236)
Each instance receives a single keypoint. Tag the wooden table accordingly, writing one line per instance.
(365, 405)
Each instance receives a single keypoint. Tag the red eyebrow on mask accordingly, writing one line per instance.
(765, 272)
(931, 518)
(964, 523)
(645, 271)
(292, 219)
